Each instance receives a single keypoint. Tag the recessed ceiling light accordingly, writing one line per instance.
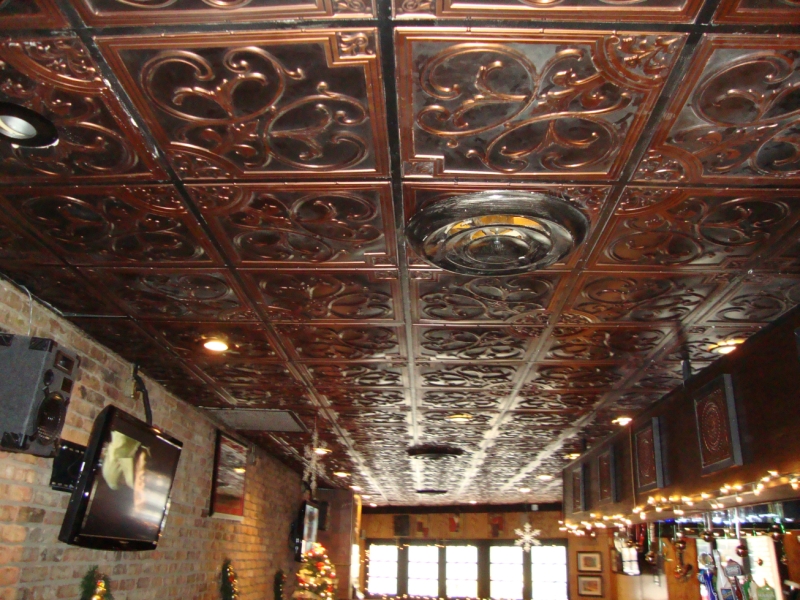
(545, 478)
(573, 455)
(322, 450)
(366, 497)
(473, 501)
(23, 127)
(215, 345)
(342, 474)
(239, 470)
(622, 421)
(459, 418)
(524, 490)
(372, 504)
(356, 488)
(725, 346)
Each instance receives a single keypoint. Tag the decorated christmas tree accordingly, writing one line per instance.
(316, 579)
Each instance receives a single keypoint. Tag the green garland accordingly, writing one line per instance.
(95, 586)
(228, 585)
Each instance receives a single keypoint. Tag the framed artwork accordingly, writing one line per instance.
(590, 562)
(402, 525)
(230, 471)
(607, 476)
(590, 585)
(579, 489)
(649, 456)
(717, 425)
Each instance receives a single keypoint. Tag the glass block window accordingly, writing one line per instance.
(462, 571)
(505, 572)
(423, 571)
(382, 579)
(548, 573)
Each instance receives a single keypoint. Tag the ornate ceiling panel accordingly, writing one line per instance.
(556, 10)
(525, 104)
(227, 170)
(266, 104)
(146, 12)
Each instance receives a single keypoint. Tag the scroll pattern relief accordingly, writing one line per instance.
(530, 105)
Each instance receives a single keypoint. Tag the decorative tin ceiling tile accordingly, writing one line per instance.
(113, 225)
(604, 343)
(521, 421)
(146, 12)
(574, 377)
(290, 296)
(307, 224)
(735, 119)
(338, 343)
(18, 246)
(372, 375)
(459, 376)
(500, 103)
(473, 343)
(267, 104)
(760, 299)
(629, 297)
(251, 375)
(463, 400)
(696, 228)
(30, 14)
(195, 295)
(595, 11)
(767, 12)
(536, 399)
(698, 343)
(58, 79)
(522, 299)
(342, 398)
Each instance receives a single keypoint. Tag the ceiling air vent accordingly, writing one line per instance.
(259, 419)
(432, 492)
(434, 452)
(497, 233)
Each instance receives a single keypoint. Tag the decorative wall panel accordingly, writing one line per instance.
(735, 119)
(491, 103)
(259, 104)
(113, 225)
(57, 78)
(557, 10)
(349, 225)
(145, 12)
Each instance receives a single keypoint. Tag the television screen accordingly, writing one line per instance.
(122, 496)
(306, 528)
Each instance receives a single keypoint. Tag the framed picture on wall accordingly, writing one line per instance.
(590, 562)
(607, 476)
(648, 452)
(717, 425)
(230, 470)
(590, 585)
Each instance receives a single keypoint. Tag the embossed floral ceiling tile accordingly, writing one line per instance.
(123, 225)
(496, 103)
(57, 78)
(290, 296)
(605, 344)
(482, 344)
(523, 300)
(438, 375)
(146, 12)
(326, 376)
(698, 229)
(344, 343)
(342, 226)
(735, 119)
(595, 11)
(190, 294)
(18, 246)
(266, 104)
(759, 299)
(30, 14)
(572, 377)
(699, 343)
(767, 12)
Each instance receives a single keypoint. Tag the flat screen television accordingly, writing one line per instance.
(305, 529)
(123, 491)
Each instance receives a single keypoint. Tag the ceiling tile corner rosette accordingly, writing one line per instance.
(58, 79)
(30, 14)
(259, 104)
(165, 12)
(768, 12)
(735, 118)
(313, 225)
(555, 10)
(552, 104)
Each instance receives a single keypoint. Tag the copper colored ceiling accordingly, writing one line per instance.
(245, 168)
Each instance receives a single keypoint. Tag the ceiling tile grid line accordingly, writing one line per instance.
(252, 181)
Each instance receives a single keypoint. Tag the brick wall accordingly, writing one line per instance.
(34, 565)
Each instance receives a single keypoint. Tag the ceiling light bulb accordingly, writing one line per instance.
(622, 421)
(545, 478)
(357, 488)
(322, 451)
(342, 474)
(573, 455)
(239, 470)
(372, 504)
(366, 497)
(473, 501)
(725, 346)
(524, 490)
(215, 345)
(459, 418)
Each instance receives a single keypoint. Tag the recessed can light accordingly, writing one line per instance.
(545, 477)
(622, 421)
(459, 418)
(342, 474)
(525, 490)
(23, 127)
(215, 345)
(239, 470)
(725, 346)
(322, 450)
(573, 455)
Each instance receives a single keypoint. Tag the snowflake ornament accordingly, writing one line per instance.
(527, 537)
(313, 467)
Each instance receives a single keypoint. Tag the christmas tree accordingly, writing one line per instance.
(316, 578)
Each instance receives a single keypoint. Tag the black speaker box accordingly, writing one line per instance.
(36, 380)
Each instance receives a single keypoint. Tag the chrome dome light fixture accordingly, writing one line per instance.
(501, 232)
(23, 127)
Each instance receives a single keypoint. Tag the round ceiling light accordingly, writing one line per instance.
(23, 127)
(216, 345)
(496, 233)
(725, 346)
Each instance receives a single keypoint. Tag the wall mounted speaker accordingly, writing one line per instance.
(36, 381)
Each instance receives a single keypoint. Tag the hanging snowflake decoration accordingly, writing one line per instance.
(527, 537)
(313, 468)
